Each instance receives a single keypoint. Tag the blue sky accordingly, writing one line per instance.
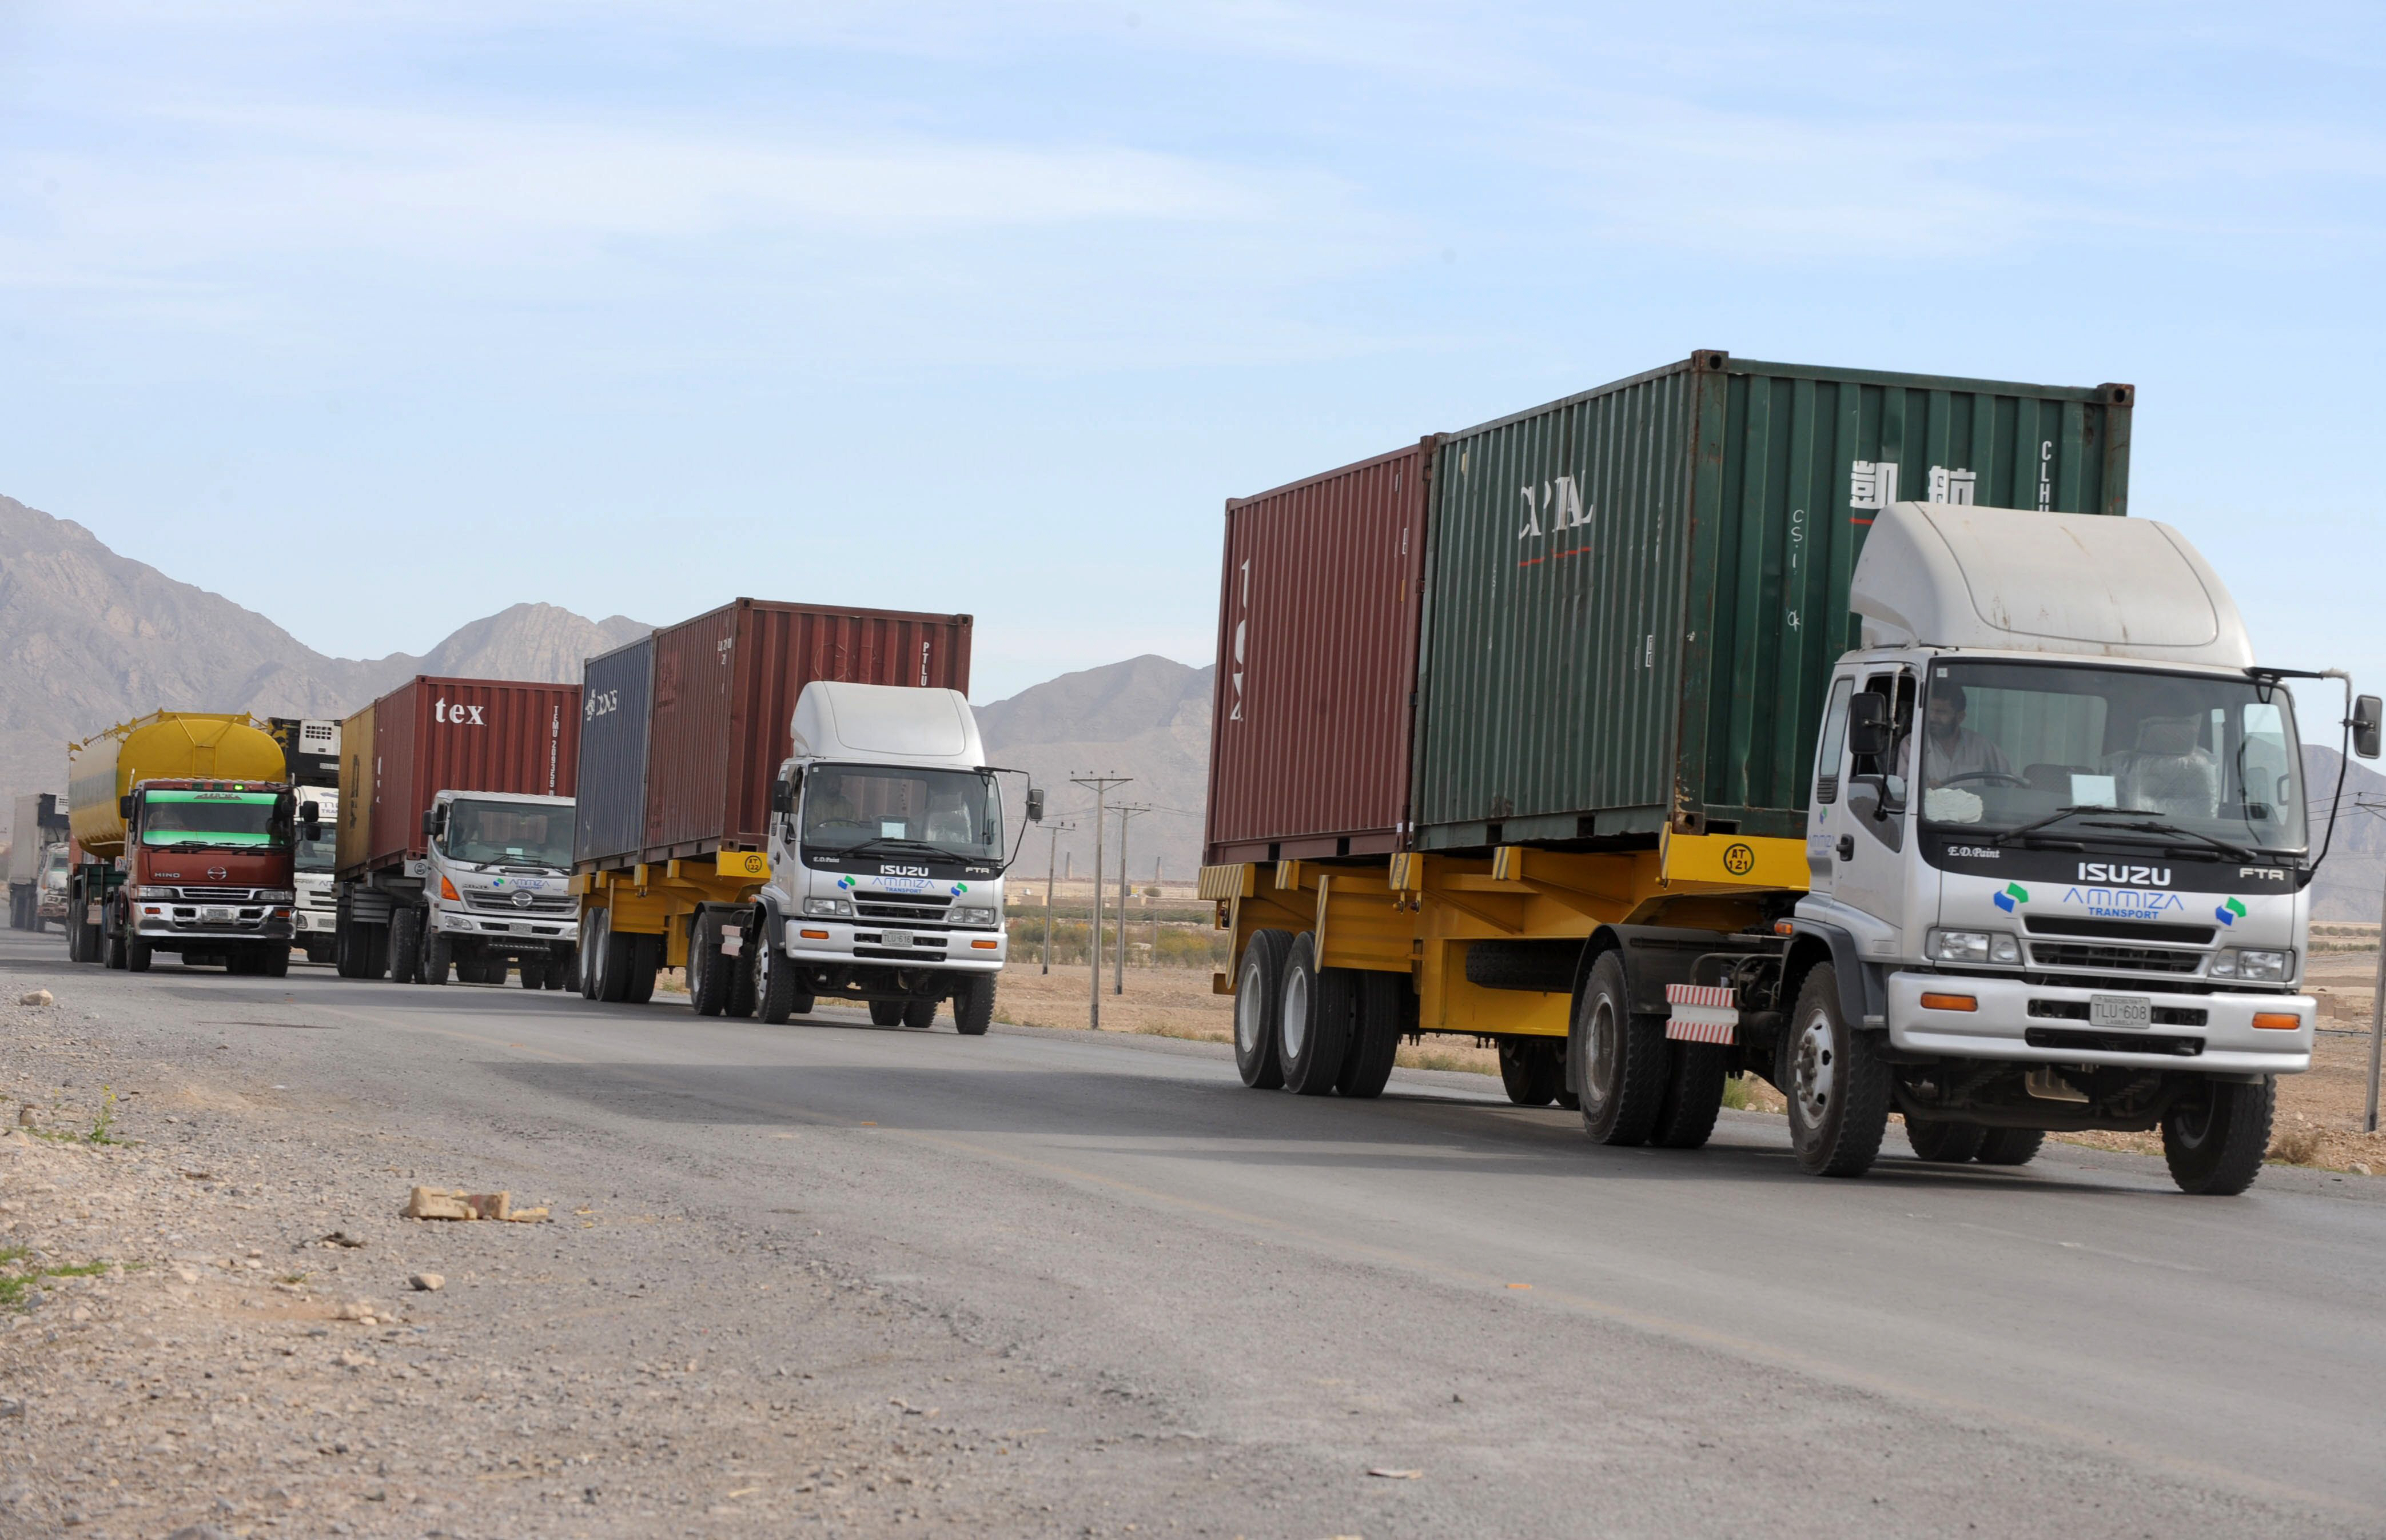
(379, 317)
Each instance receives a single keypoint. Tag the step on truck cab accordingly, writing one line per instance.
(888, 848)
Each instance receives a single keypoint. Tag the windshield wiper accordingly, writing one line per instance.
(894, 841)
(2154, 826)
(2055, 817)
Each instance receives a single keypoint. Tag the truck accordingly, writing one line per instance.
(690, 850)
(185, 832)
(315, 919)
(1671, 739)
(454, 847)
(40, 824)
(57, 863)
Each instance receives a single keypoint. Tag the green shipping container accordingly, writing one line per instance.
(1635, 594)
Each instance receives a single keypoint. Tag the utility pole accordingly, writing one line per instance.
(1155, 911)
(1052, 865)
(1101, 785)
(1118, 974)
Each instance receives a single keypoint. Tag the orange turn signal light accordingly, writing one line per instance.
(2277, 1020)
(447, 891)
(1950, 1002)
(813, 935)
(985, 945)
(1783, 927)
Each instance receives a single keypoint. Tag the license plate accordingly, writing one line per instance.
(897, 938)
(2120, 1010)
(215, 914)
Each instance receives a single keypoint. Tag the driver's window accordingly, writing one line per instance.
(1835, 734)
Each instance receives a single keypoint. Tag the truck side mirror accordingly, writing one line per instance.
(1035, 803)
(1867, 725)
(2366, 721)
(310, 812)
(124, 807)
(430, 821)
(783, 796)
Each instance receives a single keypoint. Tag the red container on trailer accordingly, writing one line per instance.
(434, 735)
(724, 700)
(1317, 649)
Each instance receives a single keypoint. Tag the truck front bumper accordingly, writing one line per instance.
(2006, 1026)
(842, 943)
(317, 922)
(512, 930)
(160, 927)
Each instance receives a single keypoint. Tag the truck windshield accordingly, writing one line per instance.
(956, 812)
(2182, 754)
(319, 854)
(242, 818)
(508, 833)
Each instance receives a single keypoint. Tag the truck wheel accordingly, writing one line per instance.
(2011, 1147)
(708, 978)
(741, 985)
(1528, 1072)
(1939, 1140)
(973, 1005)
(1313, 1025)
(376, 951)
(1258, 1002)
(137, 954)
(2213, 1141)
(886, 1013)
(116, 941)
(776, 984)
(1625, 1063)
(1374, 1037)
(533, 970)
(562, 970)
(646, 961)
(920, 1015)
(273, 962)
(1693, 1096)
(438, 958)
(613, 964)
(406, 946)
(1838, 1088)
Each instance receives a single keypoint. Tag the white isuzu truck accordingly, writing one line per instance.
(2059, 862)
(888, 848)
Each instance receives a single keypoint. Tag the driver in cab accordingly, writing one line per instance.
(1951, 750)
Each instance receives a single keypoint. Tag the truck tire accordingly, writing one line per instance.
(2214, 1143)
(1693, 1096)
(115, 942)
(438, 958)
(741, 985)
(137, 954)
(777, 985)
(1258, 1002)
(920, 1015)
(1624, 1062)
(1529, 1070)
(1938, 1139)
(587, 965)
(273, 962)
(376, 951)
(1837, 1086)
(613, 964)
(2010, 1146)
(645, 961)
(886, 1013)
(972, 1005)
(533, 970)
(561, 973)
(1374, 1037)
(406, 945)
(1313, 1025)
(708, 978)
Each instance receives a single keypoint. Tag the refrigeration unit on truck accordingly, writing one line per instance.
(693, 848)
(184, 832)
(455, 833)
(40, 825)
(1827, 726)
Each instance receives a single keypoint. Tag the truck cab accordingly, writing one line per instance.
(206, 874)
(2058, 852)
(316, 918)
(497, 887)
(888, 848)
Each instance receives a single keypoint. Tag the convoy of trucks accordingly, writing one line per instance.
(1830, 727)
(1637, 759)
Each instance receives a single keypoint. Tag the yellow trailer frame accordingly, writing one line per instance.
(1417, 913)
(656, 898)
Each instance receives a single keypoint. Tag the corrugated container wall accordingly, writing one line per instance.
(616, 694)
(352, 841)
(1317, 628)
(1635, 594)
(725, 685)
(434, 735)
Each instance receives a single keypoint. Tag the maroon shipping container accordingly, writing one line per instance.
(434, 735)
(724, 702)
(1317, 645)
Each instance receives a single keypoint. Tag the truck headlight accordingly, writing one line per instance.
(974, 917)
(158, 895)
(1974, 946)
(832, 908)
(2259, 967)
(276, 895)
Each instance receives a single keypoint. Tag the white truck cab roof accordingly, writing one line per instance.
(2015, 579)
(886, 724)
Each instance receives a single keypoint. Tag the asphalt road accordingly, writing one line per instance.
(1558, 1338)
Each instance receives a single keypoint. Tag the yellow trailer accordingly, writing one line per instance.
(643, 917)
